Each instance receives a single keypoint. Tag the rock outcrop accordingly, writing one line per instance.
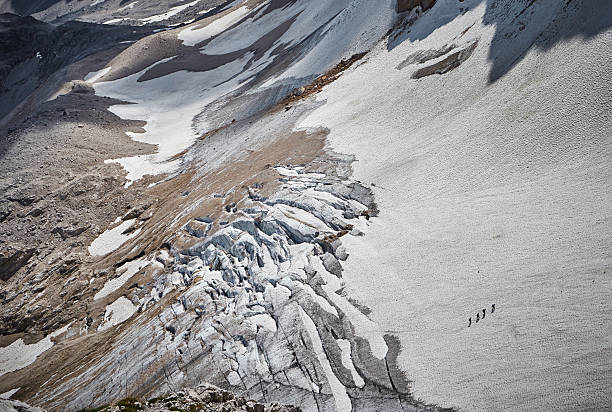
(204, 398)
(13, 259)
(406, 5)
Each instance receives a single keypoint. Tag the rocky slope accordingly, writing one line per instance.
(303, 203)
(206, 398)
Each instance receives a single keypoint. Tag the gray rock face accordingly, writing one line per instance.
(70, 230)
(11, 260)
(405, 5)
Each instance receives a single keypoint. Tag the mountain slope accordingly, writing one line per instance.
(316, 203)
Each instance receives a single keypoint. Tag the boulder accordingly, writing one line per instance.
(70, 231)
(5, 210)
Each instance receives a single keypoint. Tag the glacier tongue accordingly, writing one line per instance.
(258, 303)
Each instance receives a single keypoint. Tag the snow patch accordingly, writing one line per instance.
(129, 6)
(168, 104)
(129, 269)
(112, 239)
(8, 394)
(117, 312)
(165, 16)
(193, 35)
(18, 355)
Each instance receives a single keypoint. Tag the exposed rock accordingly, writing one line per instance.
(451, 62)
(11, 260)
(5, 210)
(317, 84)
(331, 264)
(423, 56)
(70, 231)
(37, 211)
(204, 398)
(406, 5)
(79, 86)
(136, 211)
(24, 197)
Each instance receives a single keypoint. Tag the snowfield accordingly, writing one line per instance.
(170, 104)
(489, 193)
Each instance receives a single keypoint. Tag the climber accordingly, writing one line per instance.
(470, 322)
(477, 317)
(493, 308)
(484, 312)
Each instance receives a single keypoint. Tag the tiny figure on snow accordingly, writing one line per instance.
(493, 308)
(477, 317)
(484, 313)
(469, 322)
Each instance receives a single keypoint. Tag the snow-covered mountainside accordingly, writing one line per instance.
(342, 205)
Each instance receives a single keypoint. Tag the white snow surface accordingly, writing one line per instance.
(347, 361)
(172, 12)
(8, 394)
(129, 269)
(489, 192)
(18, 355)
(93, 77)
(117, 312)
(112, 239)
(194, 35)
(168, 104)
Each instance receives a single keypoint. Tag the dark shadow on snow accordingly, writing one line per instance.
(519, 25)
